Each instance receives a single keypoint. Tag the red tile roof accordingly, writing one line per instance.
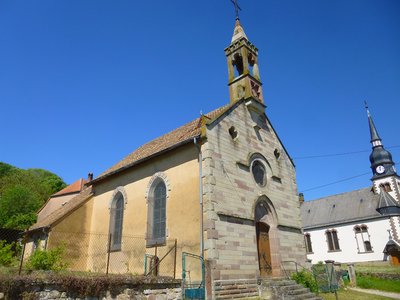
(75, 187)
(163, 143)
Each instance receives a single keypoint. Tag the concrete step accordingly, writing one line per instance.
(235, 287)
(237, 296)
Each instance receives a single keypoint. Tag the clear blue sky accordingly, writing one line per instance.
(84, 83)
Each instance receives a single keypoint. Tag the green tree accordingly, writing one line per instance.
(18, 206)
(23, 192)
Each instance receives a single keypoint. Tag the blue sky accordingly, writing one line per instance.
(84, 83)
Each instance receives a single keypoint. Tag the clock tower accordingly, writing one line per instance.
(385, 180)
(382, 164)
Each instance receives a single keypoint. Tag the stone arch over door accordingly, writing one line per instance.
(266, 224)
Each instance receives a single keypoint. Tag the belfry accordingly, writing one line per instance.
(244, 76)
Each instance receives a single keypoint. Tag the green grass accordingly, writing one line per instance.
(368, 282)
(377, 267)
(351, 295)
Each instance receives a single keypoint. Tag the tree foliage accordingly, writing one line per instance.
(23, 192)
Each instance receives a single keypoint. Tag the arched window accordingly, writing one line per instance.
(362, 238)
(332, 240)
(307, 241)
(156, 218)
(116, 220)
(259, 172)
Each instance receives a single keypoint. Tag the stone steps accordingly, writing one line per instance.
(234, 289)
(272, 289)
(281, 288)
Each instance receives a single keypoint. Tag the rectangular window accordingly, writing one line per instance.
(362, 238)
(307, 240)
(332, 240)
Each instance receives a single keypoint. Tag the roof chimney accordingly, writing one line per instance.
(90, 177)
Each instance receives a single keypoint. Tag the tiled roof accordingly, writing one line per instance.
(69, 207)
(342, 208)
(163, 143)
(75, 187)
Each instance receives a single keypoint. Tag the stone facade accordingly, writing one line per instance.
(231, 194)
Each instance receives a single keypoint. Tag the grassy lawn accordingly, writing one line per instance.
(351, 295)
(377, 267)
(367, 282)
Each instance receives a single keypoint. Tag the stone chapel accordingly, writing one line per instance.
(223, 185)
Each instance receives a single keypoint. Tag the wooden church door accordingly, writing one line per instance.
(264, 249)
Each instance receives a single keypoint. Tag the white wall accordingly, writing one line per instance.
(378, 233)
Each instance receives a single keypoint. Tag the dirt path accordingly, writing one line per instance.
(376, 292)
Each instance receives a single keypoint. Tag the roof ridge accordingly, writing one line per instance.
(63, 210)
(161, 143)
(330, 196)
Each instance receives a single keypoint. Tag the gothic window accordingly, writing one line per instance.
(156, 231)
(259, 172)
(307, 241)
(116, 220)
(332, 240)
(362, 238)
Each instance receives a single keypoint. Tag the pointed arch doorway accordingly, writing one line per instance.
(267, 238)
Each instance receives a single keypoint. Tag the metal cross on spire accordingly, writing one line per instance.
(237, 8)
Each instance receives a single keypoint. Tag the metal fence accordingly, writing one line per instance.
(92, 252)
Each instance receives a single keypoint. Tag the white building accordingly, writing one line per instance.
(361, 225)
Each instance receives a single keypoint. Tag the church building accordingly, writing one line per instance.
(222, 185)
(361, 225)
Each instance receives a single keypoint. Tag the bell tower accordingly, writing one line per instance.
(382, 164)
(242, 57)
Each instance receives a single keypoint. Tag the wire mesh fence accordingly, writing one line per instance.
(10, 250)
(96, 253)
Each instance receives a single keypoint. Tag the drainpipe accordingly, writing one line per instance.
(196, 143)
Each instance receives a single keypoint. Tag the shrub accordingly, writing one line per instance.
(306, 279)
(47, 260)
(7, 254)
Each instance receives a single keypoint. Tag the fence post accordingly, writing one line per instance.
(108, 253)
(176, 246)
(22, 256)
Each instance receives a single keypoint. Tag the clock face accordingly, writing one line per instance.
(380, 169)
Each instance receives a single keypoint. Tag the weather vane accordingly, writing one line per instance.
(237, 8)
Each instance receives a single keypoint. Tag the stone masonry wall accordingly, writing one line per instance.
(230, 194)
(49, 293)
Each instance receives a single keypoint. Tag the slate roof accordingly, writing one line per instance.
(64, 210)
(163, 143)
(338, 209)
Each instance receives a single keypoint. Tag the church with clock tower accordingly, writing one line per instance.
(361, 225)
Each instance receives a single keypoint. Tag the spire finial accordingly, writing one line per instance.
(237, 8)
(375, 139)
(367, 108)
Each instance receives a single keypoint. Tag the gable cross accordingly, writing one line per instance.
(237, 8)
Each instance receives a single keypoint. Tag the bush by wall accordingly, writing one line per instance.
(306, 279)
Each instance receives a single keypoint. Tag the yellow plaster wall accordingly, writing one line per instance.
(182, 171)
(71, 233)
